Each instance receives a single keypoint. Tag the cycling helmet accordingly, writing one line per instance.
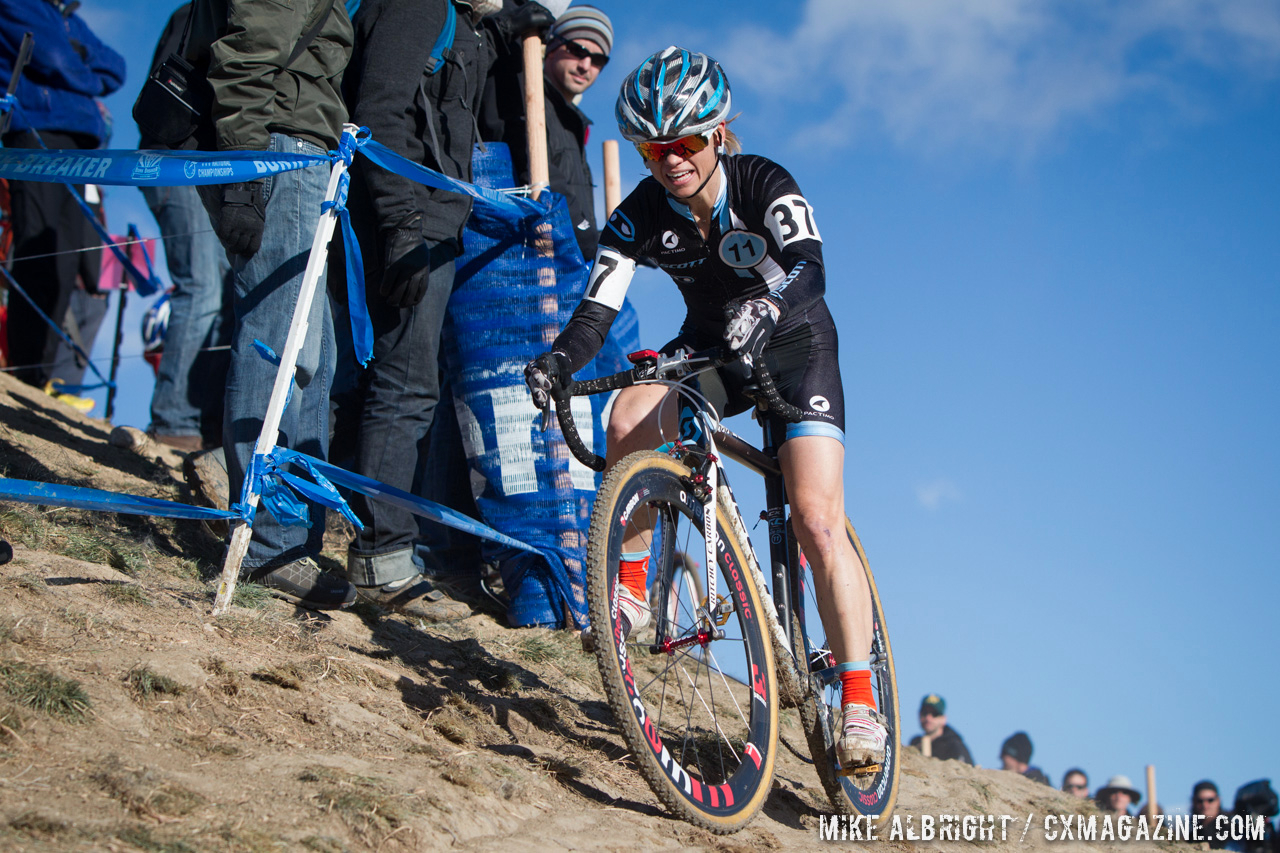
(155, 324)
(673, 93)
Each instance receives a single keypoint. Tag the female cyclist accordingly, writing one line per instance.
(739, 239)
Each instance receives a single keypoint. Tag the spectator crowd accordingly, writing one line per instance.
(1118, 796)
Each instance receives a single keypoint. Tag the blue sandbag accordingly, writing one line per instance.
(509, 302)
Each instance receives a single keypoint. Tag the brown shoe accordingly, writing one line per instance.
(180, 443)
(415, 597)
(206, 475)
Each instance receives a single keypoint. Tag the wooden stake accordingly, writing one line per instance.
(1150, 809)
(535, 112)
(612, 177)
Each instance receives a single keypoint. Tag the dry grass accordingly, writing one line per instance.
(143, 791)
(44, 691)
(145, 683)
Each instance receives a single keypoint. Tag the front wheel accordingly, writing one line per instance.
(694, 692)
(871, 794)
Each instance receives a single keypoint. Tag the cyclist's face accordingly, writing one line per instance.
(683, 175)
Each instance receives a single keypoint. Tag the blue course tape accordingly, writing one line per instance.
(80, 497)
(281, 456)
(361, 325)
(148, 168)
(516, 206)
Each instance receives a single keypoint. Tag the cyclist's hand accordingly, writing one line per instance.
(749, 325)
(548, 369)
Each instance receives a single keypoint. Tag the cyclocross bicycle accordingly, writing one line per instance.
(698, 693)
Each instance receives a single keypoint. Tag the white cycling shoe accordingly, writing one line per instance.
(861, 737)
(634, 612)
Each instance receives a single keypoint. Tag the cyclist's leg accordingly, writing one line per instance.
(813, 466)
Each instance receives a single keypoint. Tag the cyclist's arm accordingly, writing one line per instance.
(585, 332)
(788, 219)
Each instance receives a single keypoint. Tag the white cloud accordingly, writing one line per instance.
(933, 494)
(1005, 73)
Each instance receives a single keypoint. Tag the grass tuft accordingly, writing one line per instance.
(128, 593)
(147, 682)
(143, 791)
(38, 688)
(36, 824)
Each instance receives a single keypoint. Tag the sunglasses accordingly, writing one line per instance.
(1201, 800)
(684, 147)
(1072, 786)
(577, 51)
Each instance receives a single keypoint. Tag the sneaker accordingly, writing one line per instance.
(634, 613)
(415, 596)
(304, 584)
(81, 404)
(862, 737)
(180, 443)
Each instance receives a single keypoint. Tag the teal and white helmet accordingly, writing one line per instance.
(673, 93)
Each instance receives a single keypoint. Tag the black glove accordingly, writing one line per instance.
(526, 17)
(407, 265)
(547, 370)
(242, 217)
(749, 325)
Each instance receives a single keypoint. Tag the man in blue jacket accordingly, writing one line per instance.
(69, 68)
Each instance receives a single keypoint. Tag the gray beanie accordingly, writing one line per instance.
(584, 22)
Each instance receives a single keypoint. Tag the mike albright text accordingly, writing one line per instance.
(1052, 827)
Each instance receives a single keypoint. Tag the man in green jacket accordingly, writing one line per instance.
(264, 102)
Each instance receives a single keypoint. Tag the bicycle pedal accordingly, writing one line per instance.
(860, 770)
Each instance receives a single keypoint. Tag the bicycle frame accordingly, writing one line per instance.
(654, 368)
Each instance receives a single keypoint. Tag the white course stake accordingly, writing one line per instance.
(243, 531)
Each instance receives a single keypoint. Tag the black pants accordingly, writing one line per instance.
(46, 220)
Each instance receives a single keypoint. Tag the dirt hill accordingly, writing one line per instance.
(130, 719)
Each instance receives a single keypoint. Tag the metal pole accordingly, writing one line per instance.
(243, 531)
(123, 290)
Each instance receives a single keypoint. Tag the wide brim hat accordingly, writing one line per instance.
(1120, 783)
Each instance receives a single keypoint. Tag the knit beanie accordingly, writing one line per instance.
(584, 22)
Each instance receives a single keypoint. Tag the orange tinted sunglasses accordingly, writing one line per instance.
(684, 147)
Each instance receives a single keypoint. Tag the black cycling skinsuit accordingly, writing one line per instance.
(762, 242)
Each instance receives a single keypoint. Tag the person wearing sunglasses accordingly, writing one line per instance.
(578, 46)
(741, 242)
(939, 740)
(1075, 783)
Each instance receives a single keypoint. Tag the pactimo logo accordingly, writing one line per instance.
(669, 239)
(819, 404)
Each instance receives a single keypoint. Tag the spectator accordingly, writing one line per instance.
(410, 236)
(1015, 754)
(84, 314)
(1075, 782)
(186, 405)
(264, 102)
(1118, 795)
(578, 47)
(1206, 801)
(69, 68)
(939, 739)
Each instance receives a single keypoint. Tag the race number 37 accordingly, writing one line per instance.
(791, 219)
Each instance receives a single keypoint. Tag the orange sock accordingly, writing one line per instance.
(633, 573)
(855, 687)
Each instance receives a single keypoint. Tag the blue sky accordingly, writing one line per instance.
(1050, 240)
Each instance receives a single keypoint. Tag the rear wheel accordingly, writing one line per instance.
(872, 794)
(694, 692)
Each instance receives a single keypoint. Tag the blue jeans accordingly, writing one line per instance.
(401, 390)
(187, 400)
(266, 289)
